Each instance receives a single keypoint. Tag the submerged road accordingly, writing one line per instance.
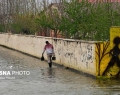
(24, 75)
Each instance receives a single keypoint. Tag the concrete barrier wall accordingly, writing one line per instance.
(76, 54)
(86, 56)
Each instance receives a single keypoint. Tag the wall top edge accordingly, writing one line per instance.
(39, 36)
(54, 38)
(7, 33)
(48, 37)
(18, 34)
(115, 27)
(92, 42)
(57, 38)
(30, 35)
(1, 32)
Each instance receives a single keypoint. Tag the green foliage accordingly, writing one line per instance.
(43, 20)
(89, 21)
(16, 28)
(1, 28)
(77, 20)
(26, 21)
(49, 20)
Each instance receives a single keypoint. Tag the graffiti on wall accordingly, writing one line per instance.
(114, 53)
(79, 53)
(101, 53)
(75, 54)
(69, 52)
(58, 49)
(86, 53)
(108, 55)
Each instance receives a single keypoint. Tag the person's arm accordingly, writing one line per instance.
(53, 51)
(44, 50)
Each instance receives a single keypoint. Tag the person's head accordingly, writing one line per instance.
(47, 42)
(116, 40)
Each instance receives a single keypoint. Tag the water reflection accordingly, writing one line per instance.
(51, 73)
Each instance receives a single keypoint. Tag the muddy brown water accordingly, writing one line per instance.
(40, 80)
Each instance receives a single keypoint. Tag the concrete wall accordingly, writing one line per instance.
(86, 56)
(76, 54)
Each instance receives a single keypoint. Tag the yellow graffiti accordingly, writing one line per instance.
(114, 32)
(102, 56)
(106, 66)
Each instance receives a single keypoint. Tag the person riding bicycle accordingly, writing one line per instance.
(50, 52)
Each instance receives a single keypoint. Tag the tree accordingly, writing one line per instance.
(49, 18)
(88, 21)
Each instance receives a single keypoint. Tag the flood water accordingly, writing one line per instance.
(38, 79)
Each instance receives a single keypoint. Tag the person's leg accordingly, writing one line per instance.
(50, 61)
(110, 64)
(49, 56)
